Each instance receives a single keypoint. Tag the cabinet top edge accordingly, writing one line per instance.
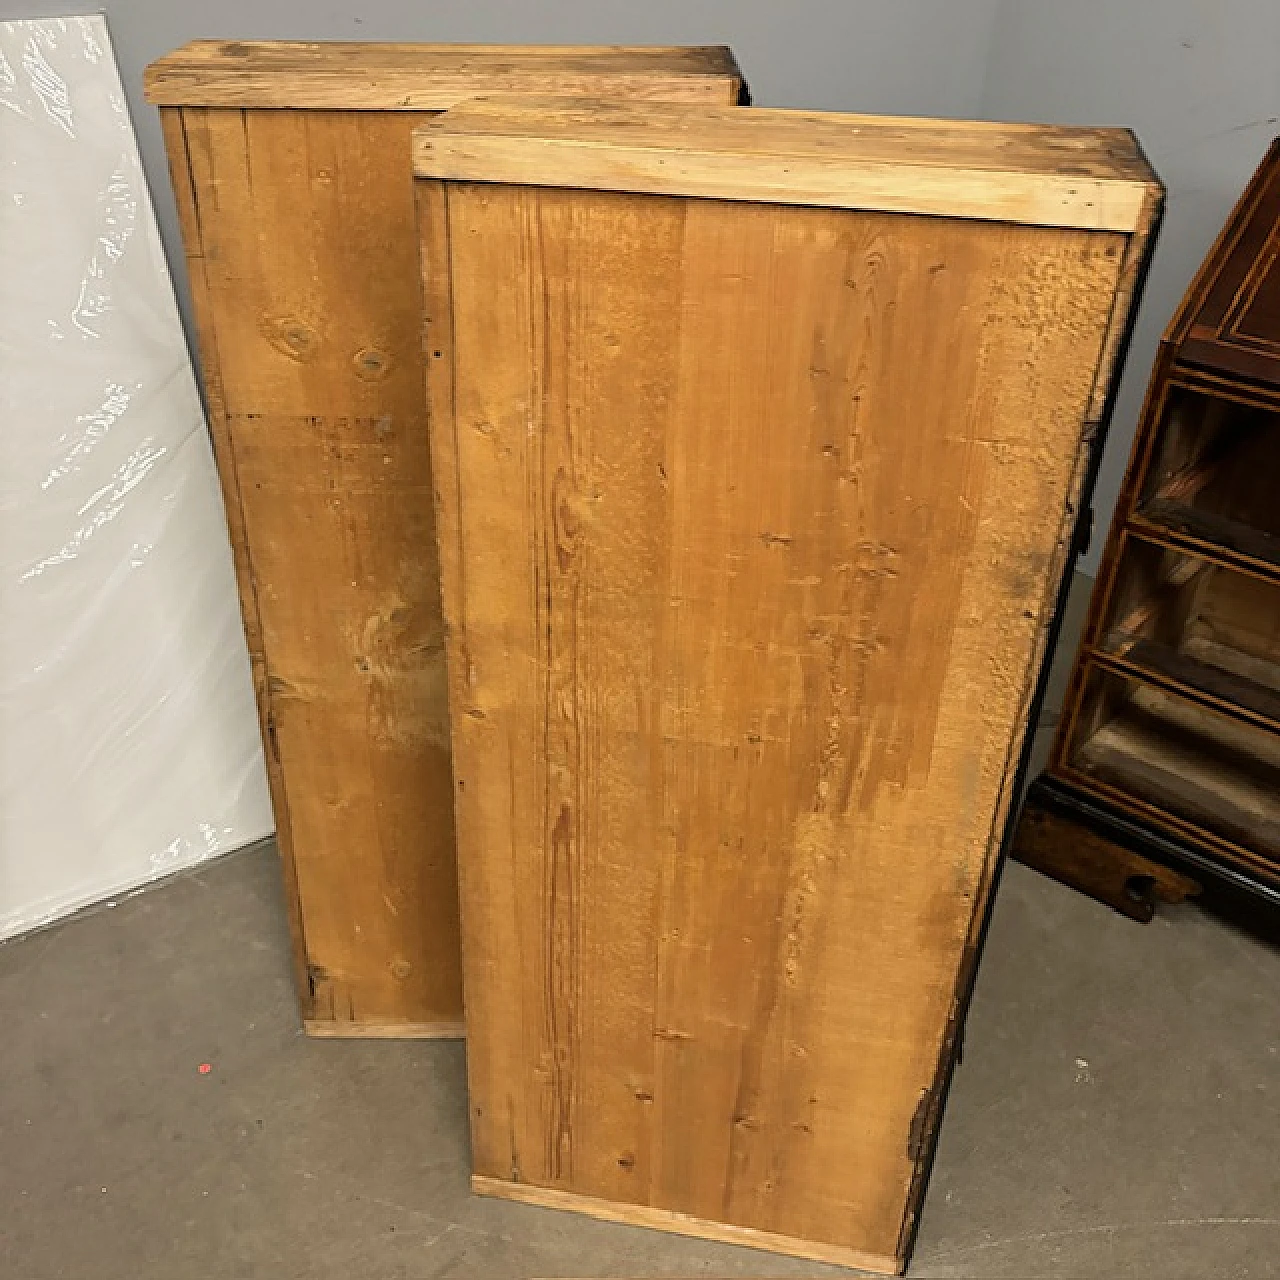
(349, 75)
(1054, 175)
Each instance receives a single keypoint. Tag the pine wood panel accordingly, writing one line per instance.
(1049, 176)
(752, 519)
(175, 140)
(352, 75)
(316, 310)
(302, 253)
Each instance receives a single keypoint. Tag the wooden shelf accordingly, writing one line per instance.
(1167, 668)
(1209, 485)
(1198, 766)
(1216, 538)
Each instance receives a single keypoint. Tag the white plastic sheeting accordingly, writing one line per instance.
(128, 738)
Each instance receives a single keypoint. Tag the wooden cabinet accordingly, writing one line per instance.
(1230, 321)
(758, 440)
(1170, 738)
(291, 167)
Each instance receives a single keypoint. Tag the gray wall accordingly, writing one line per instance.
(1199, 80)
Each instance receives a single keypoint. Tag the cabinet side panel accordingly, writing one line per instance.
(312, 286)
(758, 511)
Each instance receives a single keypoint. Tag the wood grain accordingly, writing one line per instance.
(752, 519)
(1231, 321)
(294, 74)
(315, 305)
(180, 170)
(1199, 765)
(331, 1029)
(1042, 175)
(302, 252)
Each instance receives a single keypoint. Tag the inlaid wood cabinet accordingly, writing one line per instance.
(291, 167)
(759, 439)
(1169, 743)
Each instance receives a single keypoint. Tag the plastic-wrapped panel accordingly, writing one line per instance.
(129, 744)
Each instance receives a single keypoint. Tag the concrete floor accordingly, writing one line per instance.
(1117, 1112)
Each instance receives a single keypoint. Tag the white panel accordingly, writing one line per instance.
(128, 739)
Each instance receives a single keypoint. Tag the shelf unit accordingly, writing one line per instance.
(1168, 747)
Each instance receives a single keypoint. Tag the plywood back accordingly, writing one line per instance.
(751, 519)
(302, 254)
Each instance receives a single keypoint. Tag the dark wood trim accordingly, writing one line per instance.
(1211, 687)
(1075, 855)
(1167, 847)
(1231, 240)
(1229, 543)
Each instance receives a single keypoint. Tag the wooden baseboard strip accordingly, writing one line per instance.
(322, 1029)
(634, 1215)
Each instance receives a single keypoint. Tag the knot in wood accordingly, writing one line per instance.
(371, 365)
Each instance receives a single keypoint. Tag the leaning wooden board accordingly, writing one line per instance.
(754, 492)
(292, 172)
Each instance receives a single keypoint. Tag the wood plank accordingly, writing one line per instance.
(685, 1225)
(1216, 457)
(1213, 851)
(1193, 764)
(1236, 627)
(337, 513)
(327, 1028)
(295, 75)
(1049, 176)
(1136, 258)
(309, 250)
(756, 517)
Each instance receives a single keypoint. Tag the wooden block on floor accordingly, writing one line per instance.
(291, 167)
(1072, 854)
(758, 439)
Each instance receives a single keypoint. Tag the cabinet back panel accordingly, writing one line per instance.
(752, 519)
